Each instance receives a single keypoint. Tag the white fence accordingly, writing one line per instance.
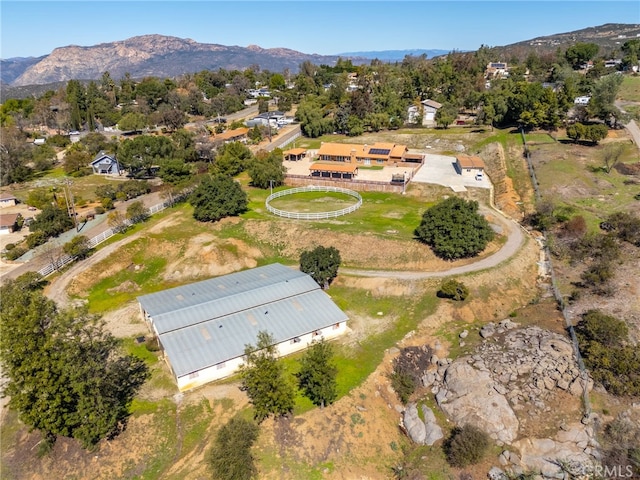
(313, 215)
(65, 259)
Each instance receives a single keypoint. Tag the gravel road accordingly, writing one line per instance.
(515, 238)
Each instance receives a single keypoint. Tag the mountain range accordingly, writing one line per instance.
(165, 56)
(151, 55)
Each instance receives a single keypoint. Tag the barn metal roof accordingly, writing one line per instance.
(200, 293)
(209, 343)
(209, 322)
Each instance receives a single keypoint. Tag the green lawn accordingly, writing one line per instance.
(313, 202)
(82, 188)
(630, 89)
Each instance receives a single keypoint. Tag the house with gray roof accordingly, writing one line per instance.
(105, 164)
(203, 327)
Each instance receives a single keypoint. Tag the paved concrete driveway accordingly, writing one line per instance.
(441, 170)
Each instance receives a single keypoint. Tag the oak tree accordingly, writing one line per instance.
(454, 229)
(218, 197)
(65, 375)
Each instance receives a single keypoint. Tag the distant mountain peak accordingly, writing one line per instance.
(158, 55)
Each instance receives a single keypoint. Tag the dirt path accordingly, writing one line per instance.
(515, 238)
(632, 126)
(56, 291)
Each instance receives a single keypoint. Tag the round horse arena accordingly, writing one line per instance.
(313, 215)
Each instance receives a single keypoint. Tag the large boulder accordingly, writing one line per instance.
(425, 432)
(567, 450)
(468, 396)
(434, 432)
(413, 425)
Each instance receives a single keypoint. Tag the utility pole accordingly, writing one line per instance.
(68, 199)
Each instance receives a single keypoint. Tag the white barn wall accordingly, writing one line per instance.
(230, 367)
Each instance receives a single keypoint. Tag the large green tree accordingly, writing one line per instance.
(317, 374)
(602, 102)
(263, 378)
(266, 170)
(232, 159)
(64, 374)
(230, 457)
(454, 229)
(321, 263)
(580, 53)
(143, 152)
(218, 197)
(52, 221)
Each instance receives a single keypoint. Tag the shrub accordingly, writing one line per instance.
(602, 341)
(403, 384)
(453, 289)
(106, 204)
(152, 344)
(597, 326)
(15, 253)
(99, 210)
(408, 367)
(36, 238)
(78, 247)
(230, 457)
(466, 446)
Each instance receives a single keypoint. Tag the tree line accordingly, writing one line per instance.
(344, 98)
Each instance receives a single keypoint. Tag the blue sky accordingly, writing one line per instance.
(34, 28)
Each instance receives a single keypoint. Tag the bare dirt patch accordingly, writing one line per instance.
(206, 256)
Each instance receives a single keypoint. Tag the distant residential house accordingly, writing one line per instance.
(430, 108)
(261, 92)
(236, 135)
(470, 166)
(265, 119)
(376, 154)
(7, 200)
(584, 100)
(496, 70)
(8, 223)
(612, 63)
(105, 164)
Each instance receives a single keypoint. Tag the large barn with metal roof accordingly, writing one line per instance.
(203, 327)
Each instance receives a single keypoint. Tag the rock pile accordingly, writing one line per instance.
(511, 369)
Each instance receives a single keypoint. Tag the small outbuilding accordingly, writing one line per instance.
(7, 200)
(203, 328)
(470, 166)
(295, 154)
(8, 223)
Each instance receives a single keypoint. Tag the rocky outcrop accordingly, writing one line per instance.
(573, 449)
(514, 371)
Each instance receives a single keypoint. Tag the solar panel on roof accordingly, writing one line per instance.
(379, 151)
